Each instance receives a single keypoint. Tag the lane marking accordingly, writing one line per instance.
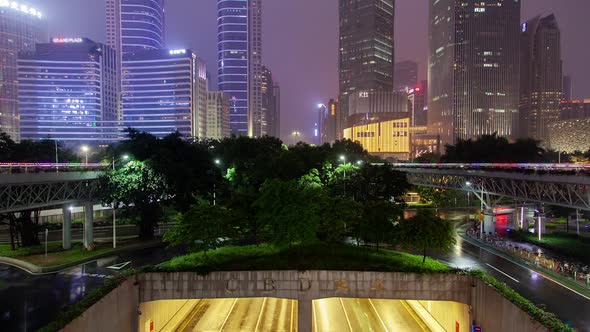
(413, 315)
(228, 314)
(190, 316)
(260, 315)
(346, 315)
(378, 316)
(495, 268)
(118, 266)
(542, 274)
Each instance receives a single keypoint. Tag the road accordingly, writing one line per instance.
(244, 314)
(569, 306)
(340, 315)
(28, 302)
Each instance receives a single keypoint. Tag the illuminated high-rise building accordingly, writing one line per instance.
(217, 115)
(135, 25)
(67, 92)
(239, 33)
(271, 105)
(473, 70)
(541, 77)
(366, 49)
(165, 91)
(405, 76)
(21, 27)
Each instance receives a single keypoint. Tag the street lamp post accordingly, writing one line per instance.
(343, 158)
(85, 149)
(217, 162)
(125, 157)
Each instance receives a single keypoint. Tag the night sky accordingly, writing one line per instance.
(300, 41)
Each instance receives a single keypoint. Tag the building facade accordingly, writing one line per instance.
(67, 92)
(541, 77)
(569, 136)
(473, 68)
(164, 91)
(271, 105)
(21, 27)
(366, 51)
(239, 33)
(405, 76)
(217, 115)
(574, 109)
(417, 106)
(387, 137)
(135, 25)
(368, 102)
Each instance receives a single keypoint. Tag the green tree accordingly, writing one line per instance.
(436, 196)
(378, 221)
(202, 227)
(290, 211)
(426, 231)
(140, 188)
(337, 215)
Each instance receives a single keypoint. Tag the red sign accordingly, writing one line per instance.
(457, 327)
(151, 326)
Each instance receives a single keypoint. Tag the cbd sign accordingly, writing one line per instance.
(364, 94)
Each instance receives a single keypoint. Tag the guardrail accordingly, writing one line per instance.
(15, 168)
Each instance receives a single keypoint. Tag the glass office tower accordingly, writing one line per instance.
(239, 34)
(473, 72)
(161, 91)
(21, 27)
(135, 25)
(67, 92)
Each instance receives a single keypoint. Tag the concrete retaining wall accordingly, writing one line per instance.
(118, 311)
(115, 312)
(495, 313)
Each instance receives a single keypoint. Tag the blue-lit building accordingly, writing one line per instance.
(239, 36)
(135, 25)
(164, 91)
(21, 27)
(67, 92)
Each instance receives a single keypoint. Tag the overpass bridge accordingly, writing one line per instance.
(44, 185)
(566, 185)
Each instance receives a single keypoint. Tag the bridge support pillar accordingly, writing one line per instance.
(489, 222)
(304, 315)
(67, 228)
(88, 226)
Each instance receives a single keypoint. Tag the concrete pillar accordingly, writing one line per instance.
(304, 315)
(67, 228)
(489, 222)
(88, 226)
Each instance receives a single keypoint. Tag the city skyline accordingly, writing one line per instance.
(312, 75)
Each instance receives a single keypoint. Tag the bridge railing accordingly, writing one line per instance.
(537, 168)
(18, 168)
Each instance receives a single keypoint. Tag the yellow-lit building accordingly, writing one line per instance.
(388, 139)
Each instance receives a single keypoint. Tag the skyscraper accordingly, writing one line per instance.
(567, 87)
(162, 92)
(21, 27)
(405, 76)
(67, 92)
(541, 77)
(270, 115)
(473, 68)
(239, 33)
(217, 115)
(135, 25)
(366, 49)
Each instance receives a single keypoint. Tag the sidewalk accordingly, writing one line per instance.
(40, 270)
(579, 286)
